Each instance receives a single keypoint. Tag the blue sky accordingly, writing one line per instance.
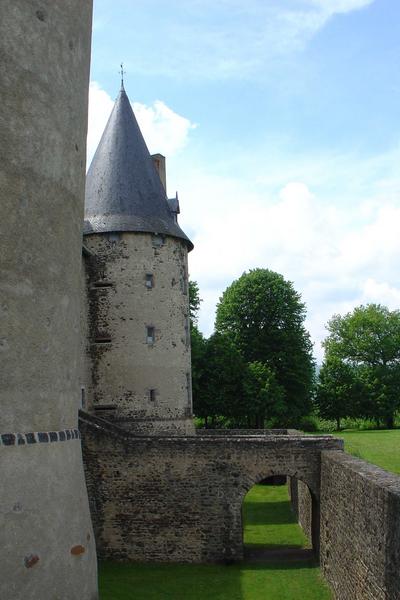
(280, 124)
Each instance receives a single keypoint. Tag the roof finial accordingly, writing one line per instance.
(122, 73)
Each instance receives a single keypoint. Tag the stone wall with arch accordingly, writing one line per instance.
(179, 499)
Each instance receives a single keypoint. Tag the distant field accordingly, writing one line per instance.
(268, 522)
(380, 447)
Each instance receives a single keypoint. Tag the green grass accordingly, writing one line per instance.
(268, 522)
(294, 581)
(380, 447)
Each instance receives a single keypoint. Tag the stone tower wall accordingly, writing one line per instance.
(47, 546)
(145, 386)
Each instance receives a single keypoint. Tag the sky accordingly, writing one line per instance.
(279, 120)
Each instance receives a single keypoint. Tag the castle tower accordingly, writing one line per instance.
(139, 335)
(47, 549)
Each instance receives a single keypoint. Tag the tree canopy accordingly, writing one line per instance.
(263, 316)
(367, 341)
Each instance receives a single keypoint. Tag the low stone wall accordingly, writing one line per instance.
(301, 502)
(246, 432)
(179, 499)
(360, 528)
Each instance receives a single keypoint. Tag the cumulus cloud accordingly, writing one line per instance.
(338, 256)
(330, 224)
(163, 129)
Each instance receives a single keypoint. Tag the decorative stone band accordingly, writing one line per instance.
(41, 437)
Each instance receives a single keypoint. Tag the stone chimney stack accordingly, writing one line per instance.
(159, 163)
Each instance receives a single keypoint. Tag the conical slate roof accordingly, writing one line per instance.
(123, 189)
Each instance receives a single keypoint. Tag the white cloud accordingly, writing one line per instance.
(100, 107)
(163, 129)
(340, 6)
(330, 224)
(217, 39)
(338, 255)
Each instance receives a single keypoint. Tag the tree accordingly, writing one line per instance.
(263, 396)
(368, 339)
(194, 302)
(220, 385)
(339, 390)
(264, 317)
(197, 342)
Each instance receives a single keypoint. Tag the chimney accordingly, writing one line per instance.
(159, 163)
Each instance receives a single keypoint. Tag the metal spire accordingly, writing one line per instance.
(122, 73)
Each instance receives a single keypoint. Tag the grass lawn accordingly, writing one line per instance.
(268, 522)
(294, 581)
(380, 447)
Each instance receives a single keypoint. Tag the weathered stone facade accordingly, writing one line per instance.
(135, 282)
(47, 547)
(179, 499)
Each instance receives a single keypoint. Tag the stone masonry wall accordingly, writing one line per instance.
(147, 385)
(47, 549)
(179, 499)
(360, 529)
(301, 502)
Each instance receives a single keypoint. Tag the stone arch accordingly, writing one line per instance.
(292, 474)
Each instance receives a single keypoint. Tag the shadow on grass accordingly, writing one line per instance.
(268, 513)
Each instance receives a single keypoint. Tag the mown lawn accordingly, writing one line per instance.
(294, 581)
(380, 447)
(268, 522)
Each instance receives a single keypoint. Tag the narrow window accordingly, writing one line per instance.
(102, 339)
(150, 335)
(149, 280)
(152, 395)
(83, 399)
(103, 284)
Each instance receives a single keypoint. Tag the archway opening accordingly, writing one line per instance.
(280, 520)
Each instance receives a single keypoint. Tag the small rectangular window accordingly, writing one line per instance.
(103, 284)
(102, 339)
(149, 280)
(152, 395)
(150, 334)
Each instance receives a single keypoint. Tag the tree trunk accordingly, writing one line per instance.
(338, 423)
(390, 421)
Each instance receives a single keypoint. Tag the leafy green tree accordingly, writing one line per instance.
(194, 302)
(339, 390)
(264, 317)
(198, 352)
(368, 339)
(220, 385)
(263, 396)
